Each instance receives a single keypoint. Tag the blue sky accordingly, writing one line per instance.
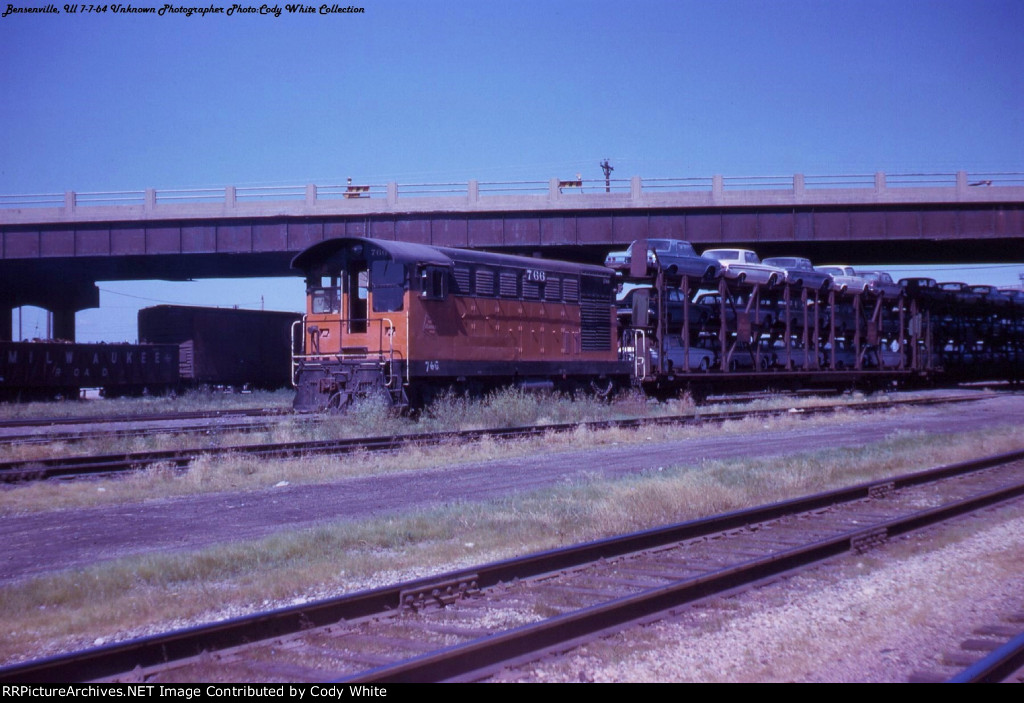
(452, 90)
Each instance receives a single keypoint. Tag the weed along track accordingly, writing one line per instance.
(470, 623)
(68, 467)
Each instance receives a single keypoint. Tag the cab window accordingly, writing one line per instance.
(387, 281)
(434, 283)
(326, 298)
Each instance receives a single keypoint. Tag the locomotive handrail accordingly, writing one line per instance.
(380, 351)
(295, 365)
(390, 333)
(639, 346)
(386, 325)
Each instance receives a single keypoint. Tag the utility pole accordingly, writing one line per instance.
(607, 168)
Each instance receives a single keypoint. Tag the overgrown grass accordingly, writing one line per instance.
(209, 474)
(131, 596)
(372, 418)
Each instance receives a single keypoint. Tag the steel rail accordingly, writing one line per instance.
(481, 655)
(242, 427)
(39, 469)
(189, 415)
(154, 650)
(8, 423)
(79, 436)
(995, 667)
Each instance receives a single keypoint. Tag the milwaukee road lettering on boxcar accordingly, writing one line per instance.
(42, 365)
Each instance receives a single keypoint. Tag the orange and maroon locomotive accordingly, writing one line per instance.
(402, 321)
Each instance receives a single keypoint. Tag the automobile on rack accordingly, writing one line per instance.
(800, 272)
(699, 359)
(844, 278)
(744, 266)
(990, 295)
(734, 305)
(676, 257)
(880, 284)
(798, 356)
(922, 287)
(957, 292)
(751, 357)
(883, 356)
(699, 314)
(845, 355)
(1015, 295)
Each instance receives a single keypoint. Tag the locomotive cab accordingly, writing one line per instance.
(354, 336)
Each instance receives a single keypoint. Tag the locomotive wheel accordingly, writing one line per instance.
(338, 402)
(373, 392)
(602, 390)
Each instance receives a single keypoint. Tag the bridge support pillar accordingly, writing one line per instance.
(63, 296)
(64, 324)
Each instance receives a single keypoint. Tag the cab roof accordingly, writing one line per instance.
(323, 254)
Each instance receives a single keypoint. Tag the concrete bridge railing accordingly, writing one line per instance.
(555, 193)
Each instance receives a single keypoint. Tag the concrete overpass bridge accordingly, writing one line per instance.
(54, 248)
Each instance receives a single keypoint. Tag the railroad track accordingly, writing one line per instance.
(68, 467)
(470, 623)
(219, 427)
(1004, 664)
(132, 432)
(163, 417)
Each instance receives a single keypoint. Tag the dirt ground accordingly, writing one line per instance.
(41, 542)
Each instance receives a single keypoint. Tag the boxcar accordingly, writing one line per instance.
(224, 346)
